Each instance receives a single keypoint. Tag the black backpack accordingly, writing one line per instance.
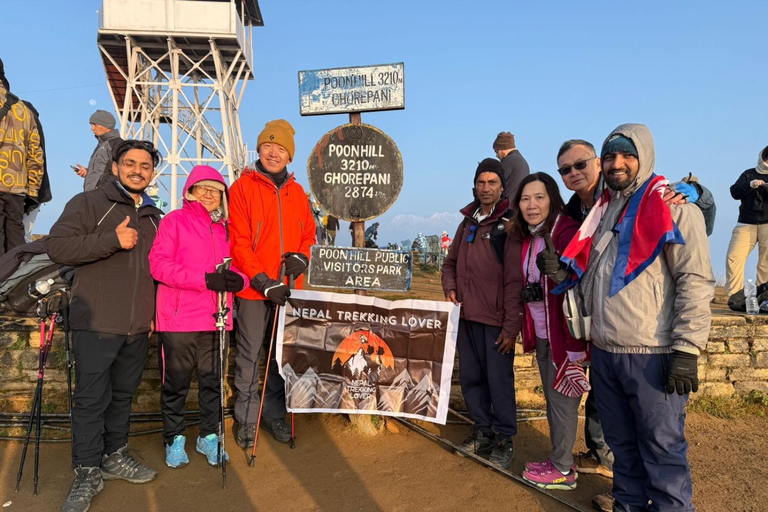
(738, 301)
(21, 269)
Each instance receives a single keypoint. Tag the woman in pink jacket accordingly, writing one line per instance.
(542, 227)
(190, 243)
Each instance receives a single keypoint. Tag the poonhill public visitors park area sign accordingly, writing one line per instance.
(358, 268)
(355, 89)
(355, 172)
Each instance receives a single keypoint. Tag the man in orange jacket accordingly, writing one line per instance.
(271, 225)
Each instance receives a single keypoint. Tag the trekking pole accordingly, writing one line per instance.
(36, 411)
(221, 326)
(41, 373)
(291, 285)
(272, 337)
(65, 326)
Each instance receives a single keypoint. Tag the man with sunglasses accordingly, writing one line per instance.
(482, 274)
(106, 234)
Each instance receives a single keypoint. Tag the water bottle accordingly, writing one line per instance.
(750, 293)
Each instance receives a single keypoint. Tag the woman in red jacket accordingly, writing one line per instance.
(189, 245)
(542, 227)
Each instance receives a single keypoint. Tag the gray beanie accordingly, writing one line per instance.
(103, 118)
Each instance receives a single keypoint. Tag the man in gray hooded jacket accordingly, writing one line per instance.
(646, 334)
(100, 165)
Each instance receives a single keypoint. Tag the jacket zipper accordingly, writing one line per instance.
(136, 272)
(256, 236)
(280, 227)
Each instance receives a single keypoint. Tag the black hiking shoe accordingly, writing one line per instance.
(478, 443)
(120, 465)
(503, 452)
(278, 427)
(88, 483)
(245, 434)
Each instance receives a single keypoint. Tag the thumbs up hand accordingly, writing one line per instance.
(548, 260)
(128, 237)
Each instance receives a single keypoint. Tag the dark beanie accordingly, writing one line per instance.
(103, 118)
(619, 144)
(490, 165)
(504, 140)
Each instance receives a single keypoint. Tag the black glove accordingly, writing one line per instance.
(549, 262)
(295, 264)
(683, 374)
(275, 291)
(224, 281)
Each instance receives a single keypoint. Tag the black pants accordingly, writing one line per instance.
(11, 221)
(593, 429)
(487, 379)
(179, 354)
(254, 330)
(108, 370)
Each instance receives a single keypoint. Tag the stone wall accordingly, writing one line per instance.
(736, 362)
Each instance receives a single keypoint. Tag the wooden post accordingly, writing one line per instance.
(358, 228)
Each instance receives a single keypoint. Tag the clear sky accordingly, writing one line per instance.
(695, 72)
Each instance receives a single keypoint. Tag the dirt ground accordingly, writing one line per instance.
(335, 468)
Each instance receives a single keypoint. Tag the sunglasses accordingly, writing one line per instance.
(471, 235)
(579, 166)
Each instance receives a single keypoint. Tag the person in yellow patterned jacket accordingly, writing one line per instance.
(21, 164)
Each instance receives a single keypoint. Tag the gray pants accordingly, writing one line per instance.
(562, 411)
(254, 330)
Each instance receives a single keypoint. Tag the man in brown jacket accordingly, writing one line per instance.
(482, 274)
(21, 164)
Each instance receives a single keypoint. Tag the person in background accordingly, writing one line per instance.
(515, 166)
(751, 189)
(22, 162)
(99, 167)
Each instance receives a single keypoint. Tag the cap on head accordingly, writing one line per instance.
(490, 165)
(504, 140)
(103, 118)
(619, 144)
(279, 132)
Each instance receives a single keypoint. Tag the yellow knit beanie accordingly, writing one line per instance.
(279, 132)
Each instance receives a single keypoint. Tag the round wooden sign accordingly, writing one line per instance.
(355, 172)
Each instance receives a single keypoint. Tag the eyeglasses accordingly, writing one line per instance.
(471, 235)
(202, 191)
(579, 166)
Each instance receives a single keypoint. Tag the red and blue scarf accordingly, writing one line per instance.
(644, 228)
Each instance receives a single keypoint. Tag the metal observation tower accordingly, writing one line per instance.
(177, 71)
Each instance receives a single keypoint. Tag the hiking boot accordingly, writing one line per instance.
(175, 454)
(279, 428)
(537, 466)
(588, 463)
(503, 452)
(245, 434)
(120, 465)
(603, 502)
(209, 446)
(88, 483)
(478, 443)
(549, 477)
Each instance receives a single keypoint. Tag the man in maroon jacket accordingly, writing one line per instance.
(482, 274)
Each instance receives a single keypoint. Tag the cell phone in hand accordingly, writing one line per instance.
(75, 168)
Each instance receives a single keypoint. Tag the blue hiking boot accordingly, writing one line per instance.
(175, 454)
(209, 446)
